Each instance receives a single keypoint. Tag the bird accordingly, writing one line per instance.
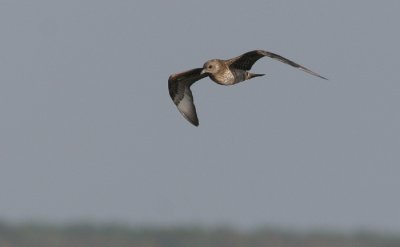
(223, 72)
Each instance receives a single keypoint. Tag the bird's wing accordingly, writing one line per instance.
(247, 60)
(179, 90)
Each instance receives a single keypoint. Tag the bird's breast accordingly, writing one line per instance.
(225, 77)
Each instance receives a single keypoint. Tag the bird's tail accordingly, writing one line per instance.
(251, 75)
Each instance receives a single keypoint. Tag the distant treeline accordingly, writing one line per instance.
(37, 235)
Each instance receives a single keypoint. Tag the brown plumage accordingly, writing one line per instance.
(224, 72)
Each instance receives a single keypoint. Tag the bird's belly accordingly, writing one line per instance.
(225, 78)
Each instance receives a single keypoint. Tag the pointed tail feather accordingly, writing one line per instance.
(251, 75)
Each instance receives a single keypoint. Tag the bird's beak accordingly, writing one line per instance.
(203, 71)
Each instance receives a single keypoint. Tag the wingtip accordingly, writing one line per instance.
(314, 74)
(320, 76)
(195, 122)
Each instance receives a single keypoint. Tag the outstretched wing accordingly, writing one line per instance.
(247, 60)
(179, 90)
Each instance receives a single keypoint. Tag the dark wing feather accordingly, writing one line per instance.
(247, 60)
(179, 90)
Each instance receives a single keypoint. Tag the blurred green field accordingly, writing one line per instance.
(81, 235)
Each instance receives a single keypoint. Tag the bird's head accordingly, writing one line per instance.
(211, 66)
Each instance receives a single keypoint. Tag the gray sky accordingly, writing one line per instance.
(88, 130)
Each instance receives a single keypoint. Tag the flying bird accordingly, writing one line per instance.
(224, 72)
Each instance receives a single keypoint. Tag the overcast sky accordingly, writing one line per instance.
(88, 130)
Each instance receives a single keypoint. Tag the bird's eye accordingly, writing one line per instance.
(210, 66)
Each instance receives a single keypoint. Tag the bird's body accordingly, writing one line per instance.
(224, 72)
(225, 76)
